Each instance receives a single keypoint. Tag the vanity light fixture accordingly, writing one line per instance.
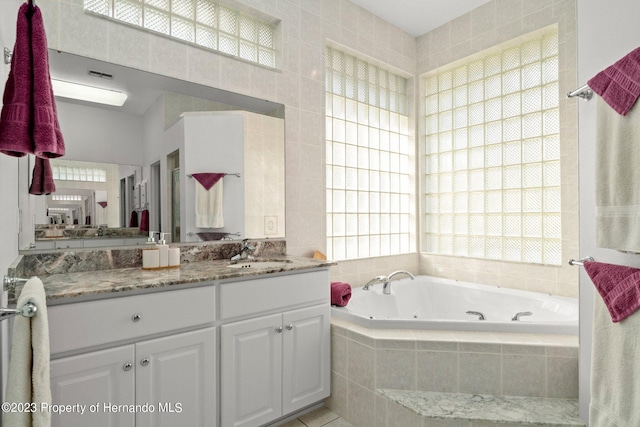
(88, 93)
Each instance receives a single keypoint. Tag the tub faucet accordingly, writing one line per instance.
(245, 251)
(386, 287)
(386, 281)
(377, 279)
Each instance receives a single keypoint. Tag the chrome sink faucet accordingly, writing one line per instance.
(245, 251)
(386, 281)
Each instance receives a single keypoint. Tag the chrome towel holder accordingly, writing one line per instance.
(28, 310)
(580, 261)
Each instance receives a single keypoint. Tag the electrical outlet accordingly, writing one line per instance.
(270, 225)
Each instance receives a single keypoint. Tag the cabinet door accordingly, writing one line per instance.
(306, 357)
(176, 375)
(251, 371)
(102, 378)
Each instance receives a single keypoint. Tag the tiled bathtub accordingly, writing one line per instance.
(503, 364)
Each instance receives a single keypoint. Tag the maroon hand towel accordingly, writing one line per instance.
(619, 287)
(208, 179)
(144, 220)
(47, 137)
(340, 293)
(16, 138)
(42, 178)
(133, 221)
(103, 204)
(619, 84)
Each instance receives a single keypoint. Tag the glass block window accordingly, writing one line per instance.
(368, 155)
(203, 22)
(68, 173)
(66, 197)
(492, 155)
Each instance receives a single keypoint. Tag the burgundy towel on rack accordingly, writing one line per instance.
(144, 220)
(208, 179)
(619, 84)
(619, 287)
(47, 137)
(16, 138)
(133, 221)
(103, 204)
(340, 293)
(42, 178)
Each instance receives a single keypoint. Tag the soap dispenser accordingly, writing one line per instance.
(151, 240)
(164, 251)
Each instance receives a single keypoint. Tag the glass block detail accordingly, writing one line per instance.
(369, 183)
(128, 11)
(492, 154)
(101, 7)
(205, 23)
(182, 29)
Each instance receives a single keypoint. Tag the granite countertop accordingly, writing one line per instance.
(65, 287)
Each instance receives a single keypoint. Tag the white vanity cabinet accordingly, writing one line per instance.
(145, 360)
(274, 349)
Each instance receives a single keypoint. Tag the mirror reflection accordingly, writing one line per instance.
(126, 169)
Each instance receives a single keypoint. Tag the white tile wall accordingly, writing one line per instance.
(306, 26)
(495, 22)
(365, 360)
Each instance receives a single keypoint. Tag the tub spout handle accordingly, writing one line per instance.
(520, 314)
(477, 313)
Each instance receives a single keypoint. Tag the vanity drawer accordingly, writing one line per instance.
(87, 324)
(251, 297)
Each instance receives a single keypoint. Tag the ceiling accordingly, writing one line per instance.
(417, 17)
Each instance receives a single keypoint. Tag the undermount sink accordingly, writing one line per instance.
(258, 264)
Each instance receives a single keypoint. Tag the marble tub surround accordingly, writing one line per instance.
(499, 364)
(480, 410)
(59, 288)
(47, 262)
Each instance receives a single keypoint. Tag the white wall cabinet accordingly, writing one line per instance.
(275, 364)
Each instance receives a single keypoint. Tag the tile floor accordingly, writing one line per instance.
(321, 417)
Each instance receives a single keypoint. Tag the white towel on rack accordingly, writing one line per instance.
(28, 377)
(615, 370)
(209, 211)
(617, 178)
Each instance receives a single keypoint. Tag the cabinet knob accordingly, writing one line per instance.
(279, 329)
(136, 317)
(145, 361)
(127, 367)
(289, 326)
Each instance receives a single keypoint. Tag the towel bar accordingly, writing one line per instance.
(11, 282)
(583, 92)
(7, 55)
(234, 174)
(580, 261)
(29, 310)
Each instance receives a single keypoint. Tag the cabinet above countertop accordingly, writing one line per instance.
(69, 287)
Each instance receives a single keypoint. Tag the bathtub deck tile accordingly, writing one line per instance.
(487, 408)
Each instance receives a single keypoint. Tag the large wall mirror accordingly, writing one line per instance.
(123, 160)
